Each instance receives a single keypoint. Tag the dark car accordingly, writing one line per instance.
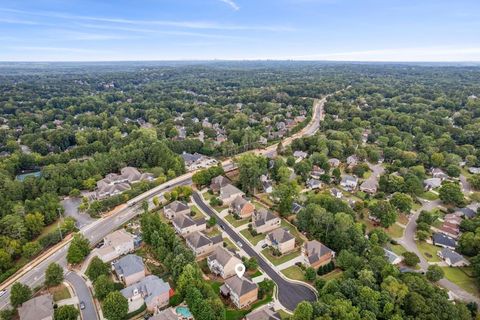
(82, 305)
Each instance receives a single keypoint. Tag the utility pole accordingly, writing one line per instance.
(58, 224)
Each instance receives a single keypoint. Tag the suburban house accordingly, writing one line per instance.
(349, 182)
(281, 239)
(468, 212)
(218, 182)
(453, 218)
(201, 244)
(264, 221)
(242, 207)
(474, 170)
(313, 184)
(432, 183)
(452, 258)
(300, 155)
(116, 244)
(450, 229)
(316, 172)
(184, 224)
(241, 291)
(336, 193)
(129, 269)
(174, 208)
(228, 193)
(263, 313)
(333, 162)
(392, 257)
(316, 254)
(38, 308)
(352, 161)
(222, 262)
(114, 184)
(442, 240)
(165, 314)
(267, 184)
(438, 173)
(196, 161)
(296, 207)
(370, 185)
(151, 290)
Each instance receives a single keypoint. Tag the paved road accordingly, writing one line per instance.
(466, 187)
(98, 229)
(408, 241)
(71, 210)
(289, 294)
(83, 294)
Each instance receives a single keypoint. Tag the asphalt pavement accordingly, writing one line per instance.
(290, 294)
(84, 295)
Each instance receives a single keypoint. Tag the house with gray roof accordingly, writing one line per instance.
(263, 313)
(281, 239)
(114, 184)
(184, 224)
(38, 308)
(296, 208)
(349, 182)
(228, 193)
(129, 269)
(218, 182)
(442, 240)
(174, 208)
(452, 258)
(300, 155)
(333, 162)
(264, 220)
(432, 183)
(313, 184)
(242, 207)
(316, 254)
(241, 291)
(116, 244)
(370, 185)
(468, 212)
(201, 244)
(222, 262)
(392, 257)
(474, 170)
(151, 290)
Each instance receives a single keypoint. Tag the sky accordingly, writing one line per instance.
(341, 30)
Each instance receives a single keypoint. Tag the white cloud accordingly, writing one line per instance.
(232, 4)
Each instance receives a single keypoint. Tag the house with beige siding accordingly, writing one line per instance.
(116, 244)
(151, 291)
(129, 269)
(316, 254)
(174, 208)
(228, 193)
(241, 291)
(184, 224)
(264, 220)
(281, 239)
(201, 244)
(242, 207)
(222, 262)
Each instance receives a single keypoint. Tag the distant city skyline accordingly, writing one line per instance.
(337, 30)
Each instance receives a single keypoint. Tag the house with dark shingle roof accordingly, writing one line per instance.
(281, 239)
(222, 262)
(442, 240)
(218, 182)
(264, 221)
(151, 291)
(263, 313)
(184, 224)
(174, 208)
(316, 254)
(241, 291)
(228, 193)
(242, 207)
(129, 269)
(452, 258)
(201, 244)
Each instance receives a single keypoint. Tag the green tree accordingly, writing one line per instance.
(251, 167)
(78, 250)
(19, 294)
(310, 274)
(474, 181)
(53, 275)
(451, 193)
(97, 268)
(385, 212)
(34, 224)
(30, 249)
(5, 260)
(67, 312)
(403, 202)
(115, 306)
(286, 193)
(303, 311)
(410, 259)
(434, 273)
(103, 285)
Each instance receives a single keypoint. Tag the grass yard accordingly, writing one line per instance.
(397, 249)
(258, 205)
(284, 315)
(215, 286)
(215, 231)
(281, 259)
(60, 292)
(230, 244)
(48, 229)
(207, 196)
(253, 240)
(265, 198)
(403, 219)
(293, 230)
(428, 251)
(235, 314)
(333, 275)
(198, 213)
(234, 222)
(395, 231)
(294, 273)
(460, 277)
(429, 196)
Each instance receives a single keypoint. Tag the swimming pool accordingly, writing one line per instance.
(184, 312)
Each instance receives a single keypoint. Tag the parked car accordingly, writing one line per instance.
(239, 244)
(264, 245)
(2, 293)
(82, 305)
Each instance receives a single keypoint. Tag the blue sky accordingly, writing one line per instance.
(361, 30)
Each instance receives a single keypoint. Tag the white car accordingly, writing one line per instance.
(239, 244)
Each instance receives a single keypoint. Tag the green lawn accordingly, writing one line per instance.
(294, 272)
(215, 231)
(49, 229)
(215, 286)
(207, 196)
(258, 205)
(395, 231)
(293, 230)
(198, 213)
(332, 275)
(398, 249)
(235, 314)
(281, 259)
(253, 240)
(428, 196)
(459, 277)
(60, 293)
(428, 251)
(230, 244)
(234, 222)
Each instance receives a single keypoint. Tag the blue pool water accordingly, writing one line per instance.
(35, 174)
(184, 312)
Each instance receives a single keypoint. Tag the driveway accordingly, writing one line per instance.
(83, 294)
(290, 294)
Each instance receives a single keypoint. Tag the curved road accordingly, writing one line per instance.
(83, 294)
(290, 294)
(33, 275)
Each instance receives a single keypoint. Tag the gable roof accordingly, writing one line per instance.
(40, 307)
(315, 250)
(453, 256)
(128, 265)
(280, 235)
(240, 286)
(220, 181)
(198, 239)
(263, 313)
(177, 206)
(349, 179)
(222, 256)
(149, 287)
(296, 207)
(229, 190)
(262, 216)
(442, 239)
(184, 221)
(118, 237)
